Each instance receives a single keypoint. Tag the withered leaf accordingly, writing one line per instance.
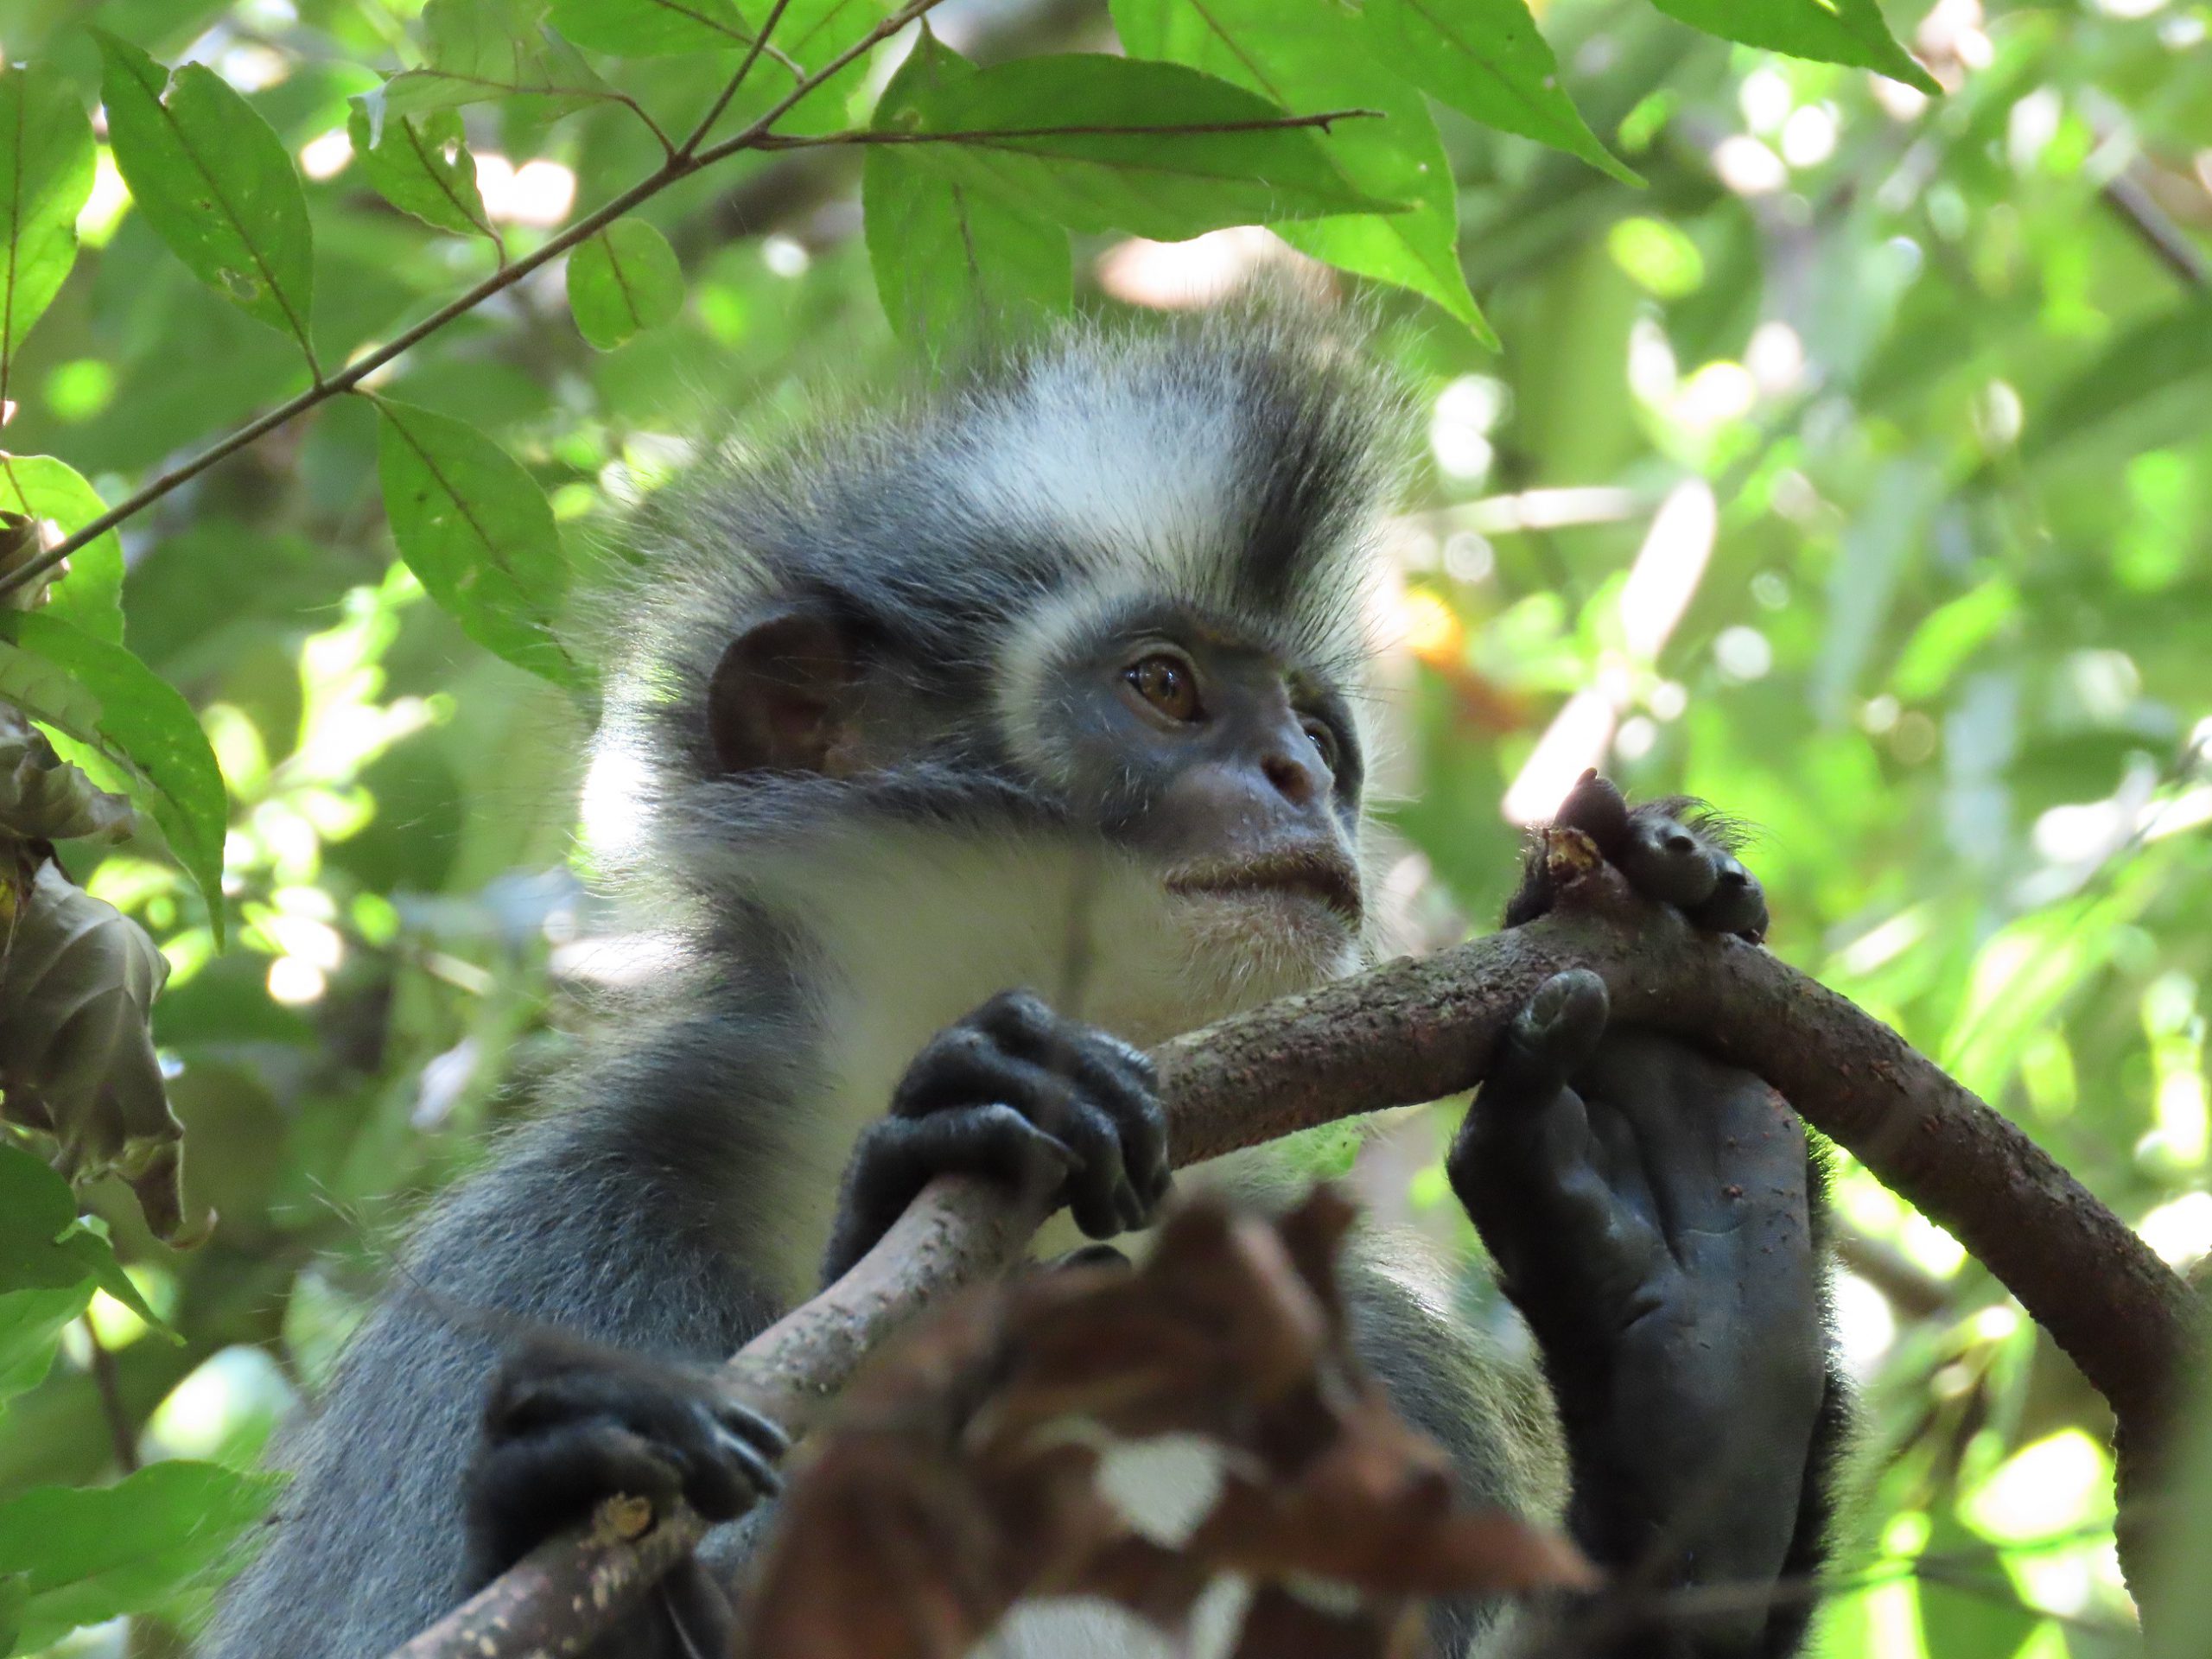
(961, 1476)
(43, 797)
(77, 1061)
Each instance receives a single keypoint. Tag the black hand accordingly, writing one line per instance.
(1673, 850)
(569, 1426)
(1650, 1213)
(1016, 1093)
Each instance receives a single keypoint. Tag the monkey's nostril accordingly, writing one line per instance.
(1291, 779)
(1679, 843)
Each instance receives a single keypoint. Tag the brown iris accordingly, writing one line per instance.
(1167, 683)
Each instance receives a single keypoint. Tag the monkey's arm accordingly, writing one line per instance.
(621, 1222)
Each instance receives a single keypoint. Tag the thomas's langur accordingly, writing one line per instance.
(949, 758)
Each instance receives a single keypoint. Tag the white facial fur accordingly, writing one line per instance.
(915, 927)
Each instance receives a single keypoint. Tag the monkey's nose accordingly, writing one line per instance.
(1293, 779)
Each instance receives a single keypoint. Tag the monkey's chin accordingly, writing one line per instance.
(1257, 943)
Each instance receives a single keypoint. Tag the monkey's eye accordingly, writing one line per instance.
(1323, 736)
(1168, 683)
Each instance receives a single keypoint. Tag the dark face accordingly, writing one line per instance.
(1237, 775)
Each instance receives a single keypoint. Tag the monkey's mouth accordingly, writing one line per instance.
(1324, 875)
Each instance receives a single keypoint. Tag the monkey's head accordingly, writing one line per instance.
(1054, 678)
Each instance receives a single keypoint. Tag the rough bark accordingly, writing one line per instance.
(1415, 1030)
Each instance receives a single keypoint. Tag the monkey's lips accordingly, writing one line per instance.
(1321, 874)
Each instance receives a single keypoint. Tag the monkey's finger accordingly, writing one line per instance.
(898, 1156)
(1123, 1082)
(1664, 860)
(1021, 1020)
(1550, 1038)
(725, 1474)
(752, 1426)
(1098, 1192)
(526, 1489)
(1526, 1128)
(1596, 807)
(1737, 904)
(1120, 1076)
(963, 1065)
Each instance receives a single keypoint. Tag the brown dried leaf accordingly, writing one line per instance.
(1374, 1511)
(885, 1551)
(1279, 1625)
(43, 797)
(77, 1061)
(1217, 1323)
(960, 1477)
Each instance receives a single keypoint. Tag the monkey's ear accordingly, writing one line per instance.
(783, 694)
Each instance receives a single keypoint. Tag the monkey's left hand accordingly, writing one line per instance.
(568, 1425)
(1019, 1094)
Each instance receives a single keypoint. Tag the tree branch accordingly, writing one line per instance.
(680, 163)
(1417, 1030)
(999, 135)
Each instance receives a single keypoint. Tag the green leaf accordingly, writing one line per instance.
(45, 1247)
(2157, 370)
(646, 28)
(623, 280)
(101, 694)
(1486, 59)
(31, 1324)
(47, 164)
(94, 1552)
(480, 49)
(1127, 173)
(1950, 634)
(1834, 31)
(422, 167)
(214, 182)
(90, 595)
(947, 258)
(477, 533)
(1312, 55)
(811, 34)
(15, 1596)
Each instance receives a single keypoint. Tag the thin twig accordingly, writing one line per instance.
(736, 82)
(660, 133)
(1135, 129)
(679, 165)
(2141, 213)
(122, 1435)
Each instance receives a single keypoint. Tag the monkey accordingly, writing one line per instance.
(949, 756)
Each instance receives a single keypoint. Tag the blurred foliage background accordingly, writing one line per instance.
(1853, 472)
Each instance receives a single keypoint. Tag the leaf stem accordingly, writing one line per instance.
(736, 82)
(682, 161)
(659, 132)
(982, 135)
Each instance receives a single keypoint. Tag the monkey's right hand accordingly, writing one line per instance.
(567, 1426)
(1017, 1094)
